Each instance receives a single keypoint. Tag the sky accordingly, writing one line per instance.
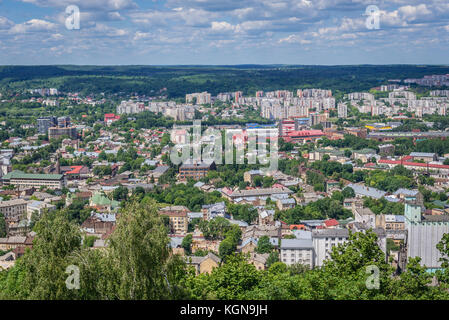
(220, 32)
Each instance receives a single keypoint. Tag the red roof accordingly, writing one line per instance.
(305, 133)
(331, 223)
(75, 170)
(297, 227)
(414, 164)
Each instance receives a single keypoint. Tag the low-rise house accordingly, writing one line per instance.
(424, 156)
(352, 203)
(257, 231)
(15, 241)
(211, 211)
(259, 260)
(364, 155)
(403, 193)
(157, 173)
(248, 245)
(204, 264)
(200, 243)
(285, 204)
(390, 222)
(97, 226)
(248, 176)
(38, 207)
(100, 201)
(331, 224)
(266, 217)
(366, 216)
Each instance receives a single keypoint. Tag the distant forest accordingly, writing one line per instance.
(179, 80)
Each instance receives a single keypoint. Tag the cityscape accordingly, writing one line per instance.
(217, 180)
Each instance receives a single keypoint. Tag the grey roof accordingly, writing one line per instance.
(302, 234)
(392, 199)
(265, 213)
(406, 192)
(367, 191)
(312, 223)
(296, 244)
(175, 242)
(324, 233)
(259, 192)
(435, 218)
(288, 201)
(422, 154)
(255, 172)
(238, 222)
(364, 211)
(161, 169)
(199, 184)
(394, 218)
(198, 260)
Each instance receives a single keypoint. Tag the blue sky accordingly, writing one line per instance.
(155, 32)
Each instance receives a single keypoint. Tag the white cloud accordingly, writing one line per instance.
(5, 23)
(33, 25)
(103, 5)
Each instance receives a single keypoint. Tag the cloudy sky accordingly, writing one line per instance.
(156, 32)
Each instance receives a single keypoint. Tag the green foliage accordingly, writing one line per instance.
(187, 244)
(136, 264)
(244, 212)
(89, 241)
(264, 245)
(120, 193)
(348, 192)
(215, 228)
(185, 195)
(2, 226)
(325, 208)
(391, 181)
(77, 211)
(383, 206)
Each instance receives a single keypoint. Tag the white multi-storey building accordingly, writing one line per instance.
(324, 240)
(297, 251)
(342, 110)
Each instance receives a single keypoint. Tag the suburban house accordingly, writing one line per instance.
(204, 264)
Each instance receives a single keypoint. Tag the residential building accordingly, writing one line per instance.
(297, 251)
(38, 207)
(14, 210)
(56, 132)
(196, 170)
(178, 217)
(44, 123)
(324, 240)
(28, 180)
(424, 233)
(204, 264)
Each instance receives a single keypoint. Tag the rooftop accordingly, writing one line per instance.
(34, 176)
